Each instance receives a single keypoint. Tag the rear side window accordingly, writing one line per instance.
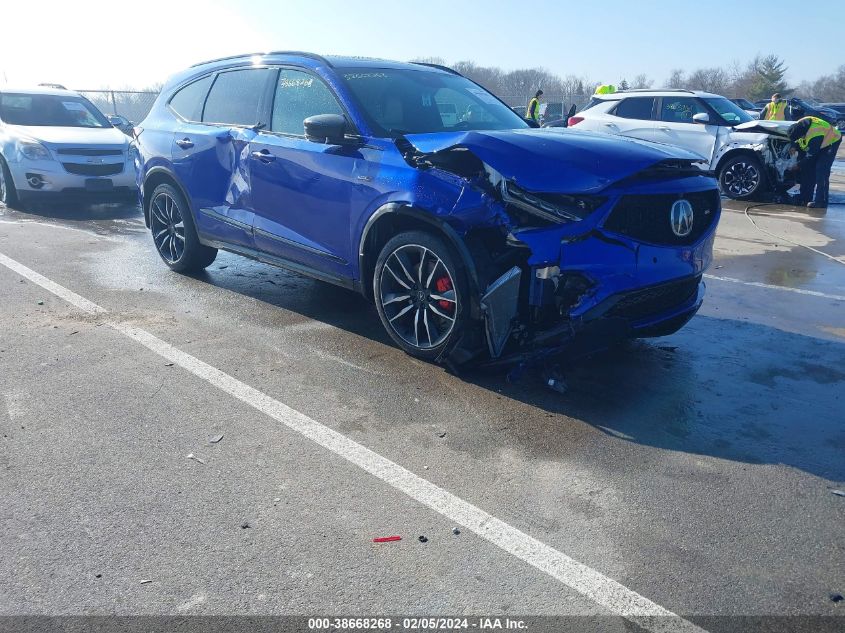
(236, 97)
(635, 108)
(594, 101)
(680, 109)
(299, 96)
(188, 102)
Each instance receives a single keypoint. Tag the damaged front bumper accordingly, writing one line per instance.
(583, 286)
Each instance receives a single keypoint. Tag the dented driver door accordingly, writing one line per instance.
(303, 191)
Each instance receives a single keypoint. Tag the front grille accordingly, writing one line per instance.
(85, 151)
(648, 218)
(654, 299)
(81, 169)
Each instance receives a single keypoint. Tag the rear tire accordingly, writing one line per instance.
(8, 193)
(174, 233)
(421, 293)
(742, 178)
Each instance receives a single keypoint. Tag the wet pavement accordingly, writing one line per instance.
(694, 469)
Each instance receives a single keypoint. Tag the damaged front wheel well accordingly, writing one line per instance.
(393, 219)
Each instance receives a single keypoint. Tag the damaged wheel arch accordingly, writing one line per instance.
(393, 218)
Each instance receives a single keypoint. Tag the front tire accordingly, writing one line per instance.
(742, 177)
(420, 293)
(8, 193)
(174, 234)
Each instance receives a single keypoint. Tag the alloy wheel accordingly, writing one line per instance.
(741, 179)
(417, 294)
(168, 227)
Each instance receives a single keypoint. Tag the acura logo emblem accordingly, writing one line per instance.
(680, 218)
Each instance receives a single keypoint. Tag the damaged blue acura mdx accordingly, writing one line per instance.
(477, 237)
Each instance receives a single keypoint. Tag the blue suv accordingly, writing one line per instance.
(476, 236)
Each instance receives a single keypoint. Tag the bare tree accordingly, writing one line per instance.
(676, 79)
(714, 80)
(642, 81)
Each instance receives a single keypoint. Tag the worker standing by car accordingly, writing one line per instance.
(775, 110)
(532, 113)
(819, 141)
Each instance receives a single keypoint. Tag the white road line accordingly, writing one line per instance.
(605, 591)
(757, 284)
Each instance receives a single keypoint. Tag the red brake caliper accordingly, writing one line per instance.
(444, 284)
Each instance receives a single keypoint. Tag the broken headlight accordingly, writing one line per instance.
(556, 208)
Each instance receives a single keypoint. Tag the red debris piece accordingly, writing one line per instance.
(386, 539)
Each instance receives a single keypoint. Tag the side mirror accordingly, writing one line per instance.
(118, 121)
(532, 123)
(571, 111)
(701, 117)
(326, 128)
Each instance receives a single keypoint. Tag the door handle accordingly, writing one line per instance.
(264, 156)
(185, 143)
(610, 124)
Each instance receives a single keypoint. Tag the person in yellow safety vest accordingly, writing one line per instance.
(775, 110)
(818, 142)
(532, 112)
(605, 89)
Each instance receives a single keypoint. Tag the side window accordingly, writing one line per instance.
(236, 97)
(635, 108)
(680, 109)
(188, 102)
(300, 95)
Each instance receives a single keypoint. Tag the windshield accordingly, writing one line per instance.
(744, 103)
(397, 102)
(50, 110)
(728, 110)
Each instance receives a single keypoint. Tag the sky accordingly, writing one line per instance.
(93, 44)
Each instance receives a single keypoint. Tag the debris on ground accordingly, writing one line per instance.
(455, 531)
(836, 597)
(245, 525)
(215, 439)
(168, 364)
(41, 303)
(423, 539)
(146, 582)
(443, 434)
(195, 458)
(386, 539)
(98, 576)
(839, 493)
(556, 384)
(277, 500)
(74, 332)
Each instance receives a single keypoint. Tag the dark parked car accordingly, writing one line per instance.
(746, 105)
(797, 108)
(839, 108)
(476, 238)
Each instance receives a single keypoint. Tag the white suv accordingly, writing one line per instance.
(56, 145)
(749, 157)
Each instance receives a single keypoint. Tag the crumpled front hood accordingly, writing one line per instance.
(774, 128)
(72, 136)
(554, 160)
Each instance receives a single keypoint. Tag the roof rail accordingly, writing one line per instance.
(314, 56)
(439, 67)
(657, 90)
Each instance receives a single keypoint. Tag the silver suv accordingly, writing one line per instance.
(749, 157)
(56, 145)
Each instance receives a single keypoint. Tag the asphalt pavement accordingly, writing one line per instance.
(682, 483)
